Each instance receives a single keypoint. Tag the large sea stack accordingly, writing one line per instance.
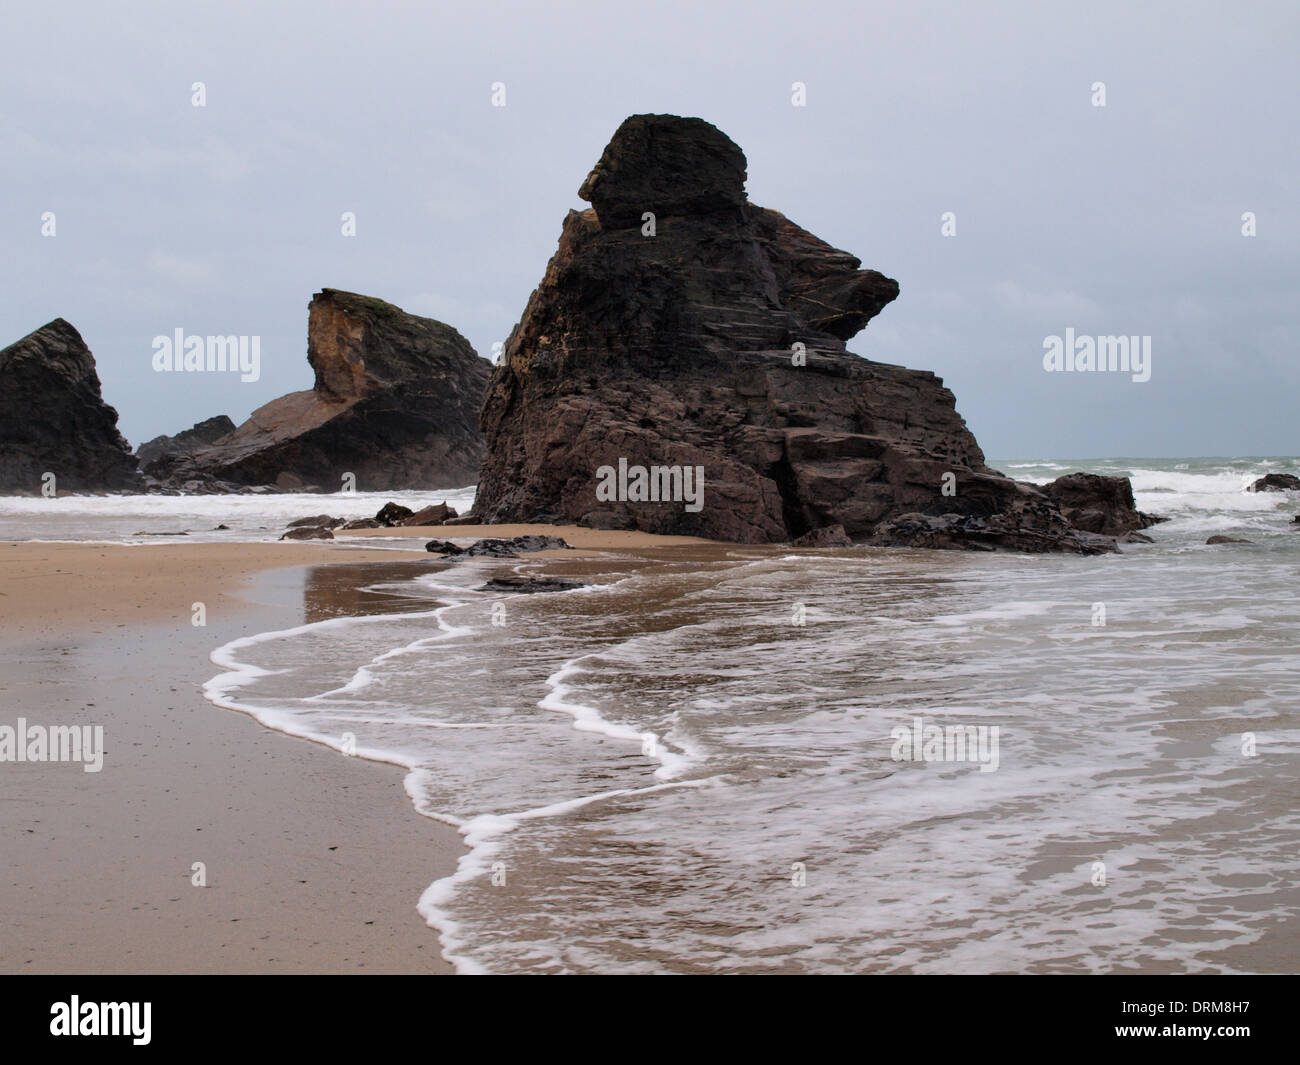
(680, 325)
(53, 418)
(395, 404)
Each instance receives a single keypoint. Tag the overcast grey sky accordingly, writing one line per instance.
(1121, 219)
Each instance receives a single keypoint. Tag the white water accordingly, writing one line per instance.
(121, 518)
(1121, 743)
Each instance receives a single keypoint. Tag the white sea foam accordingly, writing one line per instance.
(117, 519)
(1120, 744)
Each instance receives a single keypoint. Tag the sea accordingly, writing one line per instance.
(719, 758)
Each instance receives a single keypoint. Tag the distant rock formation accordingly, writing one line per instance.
(679, 327)
(1276, 482)
(395, 404)
(1099, 504)
(159, 455)
(53, 418)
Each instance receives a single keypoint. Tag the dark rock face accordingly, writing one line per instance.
(531, 584)
(317, 520)
(1099, 504)
(393, 514)
(970, 532)
(1276, 482)
(435, 514)
(53, 418)
(158, 456)
(308, 532)
(511, 548)
(395, 404)
(718, 344)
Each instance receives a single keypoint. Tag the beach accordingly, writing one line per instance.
(313, 861)
(687, 761)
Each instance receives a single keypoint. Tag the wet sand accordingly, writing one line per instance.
(313, 861)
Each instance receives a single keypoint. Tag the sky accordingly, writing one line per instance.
(1117, 219)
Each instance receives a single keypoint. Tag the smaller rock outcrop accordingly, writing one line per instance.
(158, 456)
(308, 532)
(1098, 504)
(431, 515)
(53, 418)
(393, 514)
(490, 548)
(1219, 539)
(317, 520)
(531, 584)
(972, 532)
(1276, 482)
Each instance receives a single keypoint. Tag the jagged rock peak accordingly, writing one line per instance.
(666, 165)
(53, 418)
(713, 343)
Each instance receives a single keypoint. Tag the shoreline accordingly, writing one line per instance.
(313, 862)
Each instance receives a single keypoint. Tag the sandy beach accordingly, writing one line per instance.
(312, 861)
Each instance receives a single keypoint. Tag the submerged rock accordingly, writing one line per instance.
(1219, 539)
(53, 418)
(685, 333)
(530, 584)
(1276, 482)
(491, 548)
(829, 536)
(977, 533)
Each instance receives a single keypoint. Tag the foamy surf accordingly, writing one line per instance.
(767, 826)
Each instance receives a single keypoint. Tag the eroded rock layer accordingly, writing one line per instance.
(395, 404)
(53, 418)
(679, 325)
